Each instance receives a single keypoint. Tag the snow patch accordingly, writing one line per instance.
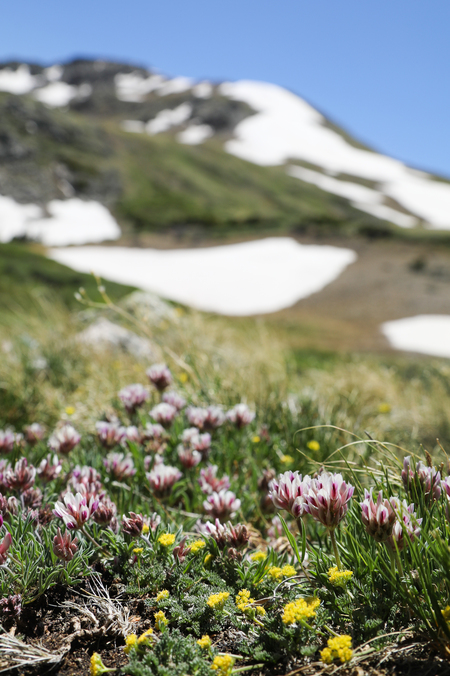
(71, 221)
(175, 86)
(203, 90)
(54, 73)
(286, 127)
(237, 279)
(428, 334)
(363, 198)
(195, 134)
(134, 87)
(168, 118)
(18, 81)
(58, 94)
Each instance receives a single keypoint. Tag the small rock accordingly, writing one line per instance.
(103, 333)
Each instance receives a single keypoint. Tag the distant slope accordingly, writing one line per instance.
(172, 153)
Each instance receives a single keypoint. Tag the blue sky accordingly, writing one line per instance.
(381, 69)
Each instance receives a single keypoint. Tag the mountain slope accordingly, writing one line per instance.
(161, 153)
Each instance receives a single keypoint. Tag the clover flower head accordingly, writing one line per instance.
(188, 457)
(21, 477)
(215, 417)
(407, 526)
(133, 524)
(64, 546)
(299, 610)
(110, 434)
(160, 376)
(34, 433)
(49, 468)
(119, 465)
(289, 492)
(76, 510)
(162, 478)
(328, 498)
(427, 478)
(378, 517)
(339, 647)
(164, 414)
(174, 399)
(131, 433)
(5, 544)
(105, 512)
(7, 441)
(240, 415)
(133, 396)
(64, 439)
(210, 483)
(196, 416)
(221, 505)
(11, 606)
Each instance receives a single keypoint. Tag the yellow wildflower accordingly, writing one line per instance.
(183, 377)
(145, 529)
(258, 556)
(97, 666)
(339, 647)
(166, 539)
(204, 642)
(138, 550)
(384, 408)
(288, 571)
(339, 577)
(146, 637)
(130, 642)
(243, 599)
(260, 611)
(299, 610)
(313, 445)
(208, 560)
(217, 601)
(197, 546)
(161, 621)
(287, 459)
(256, 439)
(275, 573)
(162, 596)
(446, 614)
(70, 410)
(223, 664)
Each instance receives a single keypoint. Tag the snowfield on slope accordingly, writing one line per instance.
(286, 128)
(428, 334)
(71, 221)
(237, 279)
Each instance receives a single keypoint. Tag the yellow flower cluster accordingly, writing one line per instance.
(130, 643)
(146, 637)
(446, 614)
(166, 539)
(223, 665)
(277, 573)
(258, 556)
(299, 610)
(287, 459)
(339, 577)
(97, 666)
(243, 599)
(138, 550)
(161, 621)
(197, 546)
(145, 528)
(313, 445)
(162, 596)
(204, 642)
(217, 601)
(339, 647)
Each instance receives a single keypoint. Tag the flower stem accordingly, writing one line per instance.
(335, 549)
(95, 543)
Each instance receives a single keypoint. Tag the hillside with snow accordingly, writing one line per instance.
(88, 148)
